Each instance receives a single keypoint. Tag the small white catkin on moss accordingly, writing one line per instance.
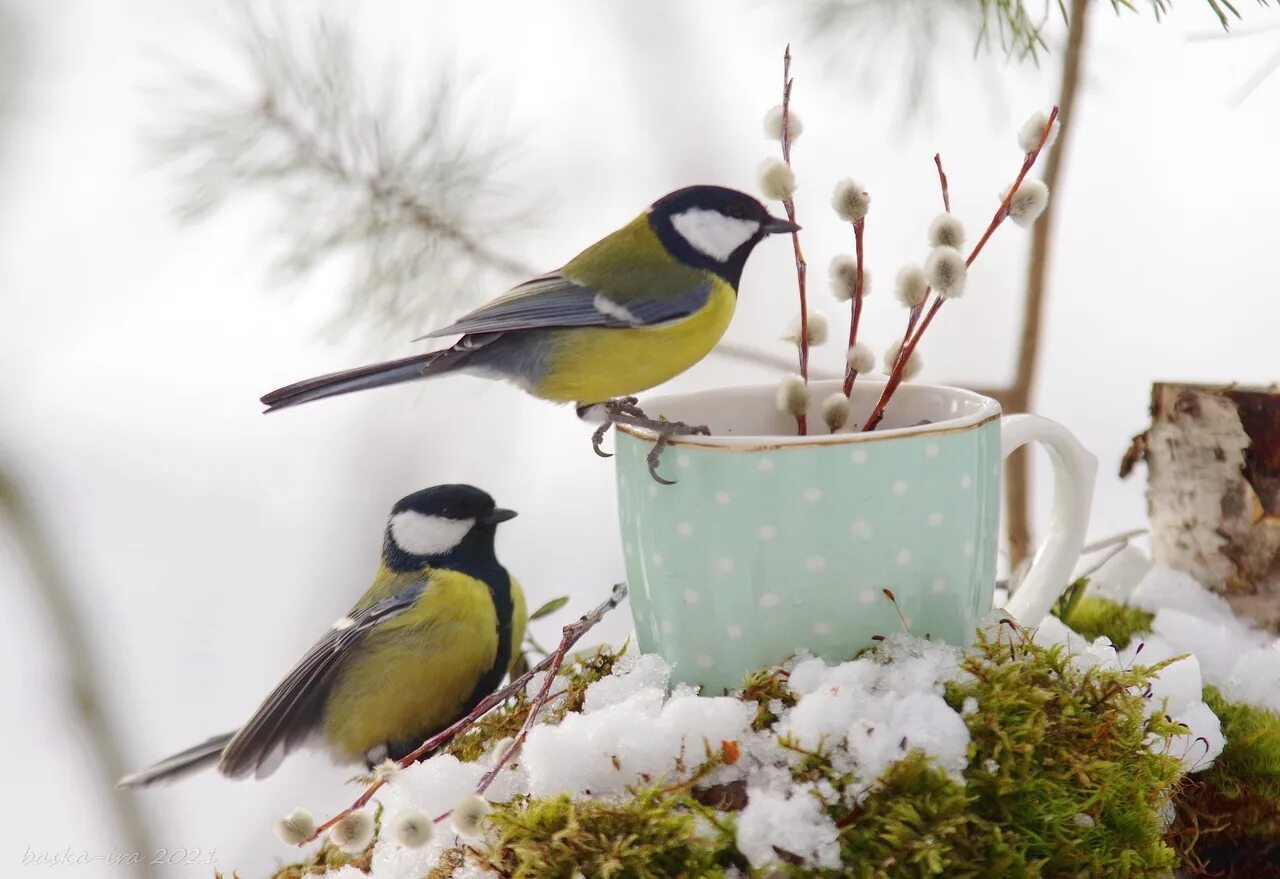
(1029, 202)
(1033, 129)
(793, 396)
(835, 411)
(818, 333)
(911, 287)
(851, 200)
(386, 771)
(296, 827)
(353, 832)
(913, 366)
(773, 124)
(945, 271)
(946, 229)
(777, 180)
(861, 358)
(412, 828)
(469, 815)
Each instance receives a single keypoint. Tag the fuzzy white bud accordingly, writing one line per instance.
(913, 365)
(296, 827)
(818, 329)
(835, 411)
(1029, 202)
(1033, 129)
(412, 828)
(945, 271)
(851, 200)
(773, 124)
(911, 287)
(386, 771)
(777, 180)
(353, 832)
(861, 358)
(946, 229)
(499, 749)
(793, 396)
(844, 277)
(469, 815)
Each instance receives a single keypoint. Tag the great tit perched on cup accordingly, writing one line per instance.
(437, 631)
(631, 311)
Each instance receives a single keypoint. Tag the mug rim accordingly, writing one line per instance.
(988, 410)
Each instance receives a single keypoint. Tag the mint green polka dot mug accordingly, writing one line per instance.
(770, 543)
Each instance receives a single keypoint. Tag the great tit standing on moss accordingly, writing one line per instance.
(437, 631)
(631, 311)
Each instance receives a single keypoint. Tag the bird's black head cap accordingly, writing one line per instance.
(713, 227)
(448, 526)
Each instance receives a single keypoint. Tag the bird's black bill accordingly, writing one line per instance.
(496, 515)
(777, 225)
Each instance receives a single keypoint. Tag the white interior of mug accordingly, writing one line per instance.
(748, 415)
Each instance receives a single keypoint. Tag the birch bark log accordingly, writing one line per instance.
(1213, 490)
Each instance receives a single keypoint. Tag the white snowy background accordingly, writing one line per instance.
(209, 544)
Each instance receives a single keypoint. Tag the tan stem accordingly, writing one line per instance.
(1018, 475)
(86, 685)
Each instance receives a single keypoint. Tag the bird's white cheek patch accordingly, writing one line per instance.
(418, 534)
(712, 233)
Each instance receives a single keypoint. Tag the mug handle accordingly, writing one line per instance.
(1074, 470)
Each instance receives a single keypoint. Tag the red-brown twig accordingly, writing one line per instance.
(571, 634)
(802, 268)
(1001, 214)
(856, 317)
(942, 181)
(916, 311)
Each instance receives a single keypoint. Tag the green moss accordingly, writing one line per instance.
(920, 823)
(505, 721)
(1060, 783)
(327, 858)
(766, 688)
(1228, 816)
(653, 835)
(1096, 617)
(1059, 762)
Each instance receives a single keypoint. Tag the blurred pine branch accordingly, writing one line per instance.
(1010, 25)
(401, 197)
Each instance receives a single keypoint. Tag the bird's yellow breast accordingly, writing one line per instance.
(416, 672)
(593, 364)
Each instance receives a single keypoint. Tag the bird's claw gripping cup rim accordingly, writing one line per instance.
(625, 410)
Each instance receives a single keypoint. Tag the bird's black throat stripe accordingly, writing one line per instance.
(485, 568)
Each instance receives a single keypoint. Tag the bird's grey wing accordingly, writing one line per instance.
(553, 301)
(295, 707)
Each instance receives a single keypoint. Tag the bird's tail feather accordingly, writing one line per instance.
(191, 760)
(377, 375)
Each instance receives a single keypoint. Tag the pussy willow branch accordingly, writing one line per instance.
(802, 268)
(914, 316)
(942, 182)
(1001, 214)
(856, 317)
(570, 635)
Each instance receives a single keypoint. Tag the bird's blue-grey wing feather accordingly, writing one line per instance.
(553, 301)
(295, 708)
